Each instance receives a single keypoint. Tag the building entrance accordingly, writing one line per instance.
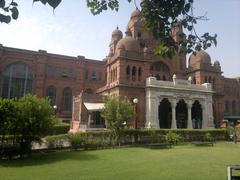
(197, 115)
(181, 114)
(165, 114)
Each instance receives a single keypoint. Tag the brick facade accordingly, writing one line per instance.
(123, 72)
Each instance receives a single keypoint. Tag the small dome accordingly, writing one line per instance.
(117, 32)
(129, 44)
(135, 13)
(216, 63)
(200, 57)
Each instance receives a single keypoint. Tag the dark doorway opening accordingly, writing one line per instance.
(165, 114)
(197, 115)
(97, 121)
(181, 111)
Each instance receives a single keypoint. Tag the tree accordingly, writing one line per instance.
(158, 16)
(8, 116)
(23, 121)
(117, 112)
(35, 120)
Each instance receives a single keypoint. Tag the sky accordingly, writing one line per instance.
(72, 30)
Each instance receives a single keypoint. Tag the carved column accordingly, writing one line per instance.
(174, 122)
(152, 110)
(210, 123)
(189, 106)
(204, 111)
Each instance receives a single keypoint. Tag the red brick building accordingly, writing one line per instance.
(123, 72)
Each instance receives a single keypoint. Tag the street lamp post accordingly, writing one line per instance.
(135, 101)
(55, 109)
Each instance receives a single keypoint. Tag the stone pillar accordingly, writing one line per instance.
(174, 122)
(204, 111)
(89, 119)
(210, 123)
(189, 123)
(151, 110)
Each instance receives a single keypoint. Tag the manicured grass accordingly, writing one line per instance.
(180, 162)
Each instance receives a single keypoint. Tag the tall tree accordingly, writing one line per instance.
(158, 16)
(117, 112)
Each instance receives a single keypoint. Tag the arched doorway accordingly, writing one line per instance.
(165, 114)
(197, 115)
(181, 114)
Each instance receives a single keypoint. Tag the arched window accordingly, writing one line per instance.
(139, 74)
(128, 72)
(213, 81)
(115, 75)
(233, 108)
(111, 76)
(151, 67)
(205, 79)
(239, 108)
(157, 77)
(67, 99)
(51, 93)
(194, 80)
(164, 78)
(94, 77)
(17, 80)
(88, 91)
(86, 75)
(210, 79)
(134, 73)
(99, 76)
(226, 107)
(160, 68)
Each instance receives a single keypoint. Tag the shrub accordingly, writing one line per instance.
(208, 137)
(60, 128)
(56, 141)
(172, 138)
(27, 119)
(76, 140)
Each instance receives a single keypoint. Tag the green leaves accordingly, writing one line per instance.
(15, 13)
(117, 111)
(52, 3)
(10, 11)
(160, 17)
(98, 6)
(2, 3)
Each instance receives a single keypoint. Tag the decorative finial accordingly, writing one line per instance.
(190, 78)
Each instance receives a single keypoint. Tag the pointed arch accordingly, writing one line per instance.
(134, 73)
(67, 99)
(51, 94)
(157, 68)
(196, 115)
(128, 72)
(139, 74)
(165, 114)
(181, 114)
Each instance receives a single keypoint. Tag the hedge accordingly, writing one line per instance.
(95, 140)
(187, 134)
(61, 128)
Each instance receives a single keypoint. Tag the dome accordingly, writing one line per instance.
(128, 43)
(200, 57)
(135, 13)
(117, 32)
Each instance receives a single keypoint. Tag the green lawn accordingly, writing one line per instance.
(180, 162)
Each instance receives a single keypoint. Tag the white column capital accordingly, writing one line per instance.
(189, 103)
(174, 102)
